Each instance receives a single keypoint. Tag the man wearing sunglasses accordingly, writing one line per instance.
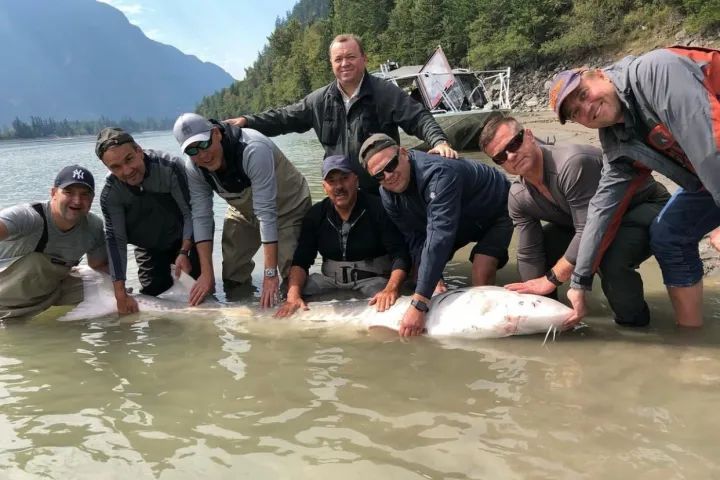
(351, 108)
(267, 199)
(554, 184)
(361, 248)
(440, 207)
(659, 111)
(146, 203)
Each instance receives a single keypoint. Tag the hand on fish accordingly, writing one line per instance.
(182, 264)
(204, 285)
(577, 300)
(537, 286)
(384, 299)
(126, 304)
(291, 306)
(715, 239)
(412, 323)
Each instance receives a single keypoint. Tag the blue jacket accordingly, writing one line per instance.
(442, 195)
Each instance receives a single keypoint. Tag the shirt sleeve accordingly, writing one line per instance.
(115, 231)
(443, 217)
(605, 209)
(292, 118)
(307, 246)
(201, 202)
(180, 192)
(259, 164)
(531, 257)
(394, 243)
(20, 221)
(578, 181)
(674, 86)
(98, 252)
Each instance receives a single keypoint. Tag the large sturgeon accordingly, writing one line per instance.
(471, 312)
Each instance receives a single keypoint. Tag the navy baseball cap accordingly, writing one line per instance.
(336, 162)
(75, 175)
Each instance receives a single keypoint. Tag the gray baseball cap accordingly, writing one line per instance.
(374, 144)
(111, 137)
(190, 128)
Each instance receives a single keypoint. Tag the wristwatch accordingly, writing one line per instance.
(271, 272)
(550, 275)
(420, 305)
(184, 252)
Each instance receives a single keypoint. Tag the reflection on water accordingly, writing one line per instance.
(229, 397)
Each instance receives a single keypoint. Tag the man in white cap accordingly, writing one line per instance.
(41, 242)
(267, 199)
(361, 249)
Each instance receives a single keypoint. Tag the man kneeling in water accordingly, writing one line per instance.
(41, 242)
(359, 244)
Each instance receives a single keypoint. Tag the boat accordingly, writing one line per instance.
(461, 100)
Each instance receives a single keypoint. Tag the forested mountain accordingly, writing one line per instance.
(81, 60)
(473, 33)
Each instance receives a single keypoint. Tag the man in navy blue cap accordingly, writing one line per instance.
(41, 242)
(362, 250)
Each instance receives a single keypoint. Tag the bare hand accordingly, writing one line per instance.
(412, 323)
(269, 293)
(204, 285)
(291, 306)
(384, 299)
(577, 300)
(237, 121)
(441, 287)
(715, 238)
(126, 305)
(538, 286)
(182, 264)
(444, 149)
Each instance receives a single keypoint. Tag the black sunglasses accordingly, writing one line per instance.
(512, 146)
(192, 151)
(389, 167)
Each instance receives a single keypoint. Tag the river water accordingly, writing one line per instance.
(219, 397)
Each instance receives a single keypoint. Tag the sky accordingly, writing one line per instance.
(229, 33)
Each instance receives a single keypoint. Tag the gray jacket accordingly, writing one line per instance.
(380, 108)
(661, 87)
(571, 173)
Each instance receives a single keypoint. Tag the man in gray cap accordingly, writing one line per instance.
(361, 248)
(146, 203)
(41, 242)
(267, 199)
(351, 108)
(440, 207)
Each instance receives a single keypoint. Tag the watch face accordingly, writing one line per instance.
(270, 272)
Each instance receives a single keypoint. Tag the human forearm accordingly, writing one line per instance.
(296, 282)
(563, 269)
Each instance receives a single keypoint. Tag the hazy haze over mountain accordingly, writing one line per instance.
(80, 59)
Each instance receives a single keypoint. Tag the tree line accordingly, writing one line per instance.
(477, 34)
(48, 127)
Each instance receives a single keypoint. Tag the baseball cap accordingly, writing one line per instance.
(562, 85)
(336, 162)
(110, 137)
(374, 144)
(75, 174)
(190, 128)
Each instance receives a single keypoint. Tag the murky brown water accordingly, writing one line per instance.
(224, 397)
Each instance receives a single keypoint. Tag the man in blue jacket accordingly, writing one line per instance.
(440, 207)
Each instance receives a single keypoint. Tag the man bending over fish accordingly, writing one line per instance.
(361, 248)
(41, 242)
(554, 185)
(440, 207)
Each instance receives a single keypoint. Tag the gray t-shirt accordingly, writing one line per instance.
(25, 227)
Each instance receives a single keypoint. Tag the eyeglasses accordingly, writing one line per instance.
(192, 151)
(389, 167)
(511, 147)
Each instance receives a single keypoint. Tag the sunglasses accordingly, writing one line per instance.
(512, 146)
(389, 167)
(192, 151)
